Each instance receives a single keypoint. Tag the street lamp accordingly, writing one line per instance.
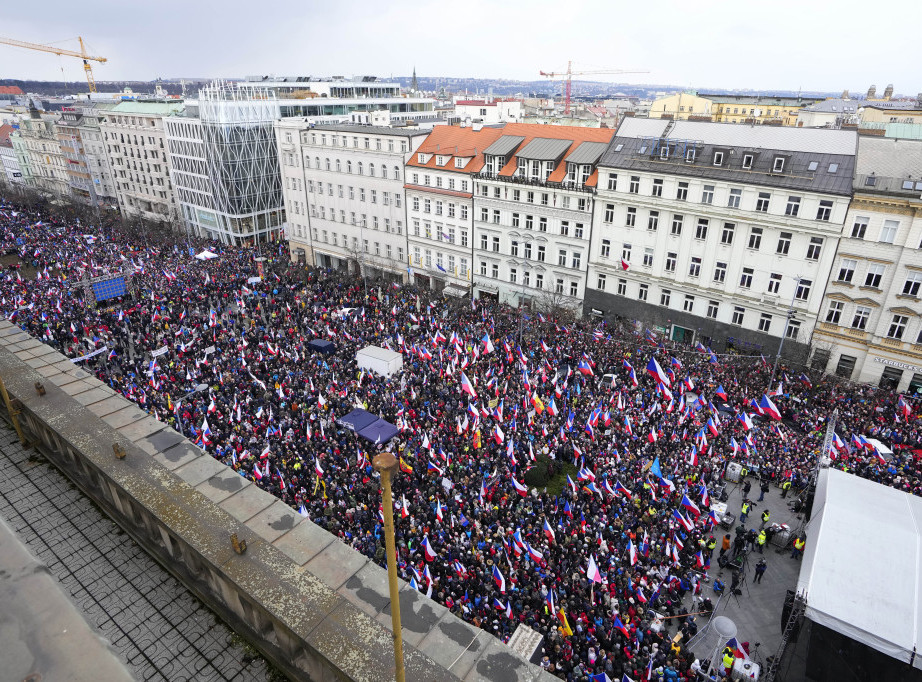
(386, 465)
(787, 323)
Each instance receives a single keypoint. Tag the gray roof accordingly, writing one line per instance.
(401, 131)
(889, 157)
(545, 149)
(832, 152)
(901, 104)
(835, 105)
(587, 153)
(504, 145)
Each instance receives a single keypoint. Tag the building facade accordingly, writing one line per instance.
(46, 162)
(9, 165)
(489, 111)
(533, 214)
(81, 139)
(871, 321)
(680, 106)
(756, 109)
(344, 196)
(711, 232)
(139, 159)
(440, 209)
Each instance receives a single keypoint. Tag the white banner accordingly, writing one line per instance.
(90, 355)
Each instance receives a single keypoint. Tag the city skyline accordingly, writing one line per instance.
(702, 48)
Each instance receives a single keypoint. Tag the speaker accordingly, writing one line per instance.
(786, 609)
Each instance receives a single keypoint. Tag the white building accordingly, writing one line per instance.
(440, 208)
(139, 158)
(9, 164)
(724, 229)
(81, 140)
(343, 187)
(533, 214)
(46, 164)
(830, 113)
(871, 324)
(489, 111)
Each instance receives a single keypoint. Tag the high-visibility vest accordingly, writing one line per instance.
(728, 659)
(765, 515)
(746, 508)
(798, 543)
(786, 485)
(761, 538)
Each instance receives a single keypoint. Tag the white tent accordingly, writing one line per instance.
(861, 566)
(206, 255)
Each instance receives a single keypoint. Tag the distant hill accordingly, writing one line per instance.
(65, 88)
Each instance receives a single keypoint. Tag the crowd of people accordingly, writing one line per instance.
(637, 431)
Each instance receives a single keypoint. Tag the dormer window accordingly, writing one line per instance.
(521, 167)
(813, 165)
(778, 165)
(571, 172)
(690, 156)
(421, 158)
(664, 152)
(718, 158)
(440, 160)
(747, 161)
(460, 162)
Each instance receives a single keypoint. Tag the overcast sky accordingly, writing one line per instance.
(780, 44)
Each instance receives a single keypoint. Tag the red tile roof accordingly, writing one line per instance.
(455, 141)
(5, 132)
(10, 90)
(578, 134)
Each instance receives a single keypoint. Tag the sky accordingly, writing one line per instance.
(701, 44)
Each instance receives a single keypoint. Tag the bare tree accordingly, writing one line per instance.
(557, 305)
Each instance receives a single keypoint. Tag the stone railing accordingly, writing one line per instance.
(313, 606)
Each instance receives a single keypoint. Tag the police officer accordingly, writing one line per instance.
(728, 657)
(746, 508)
(765, 516)
(798, 550)
(711, 545)
(785, 487)
(760, 541)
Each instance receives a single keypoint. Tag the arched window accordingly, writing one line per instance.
(317, 162)
(361, 169)
(307, 162)
(338, 166)
(396, 172)
(371, 169)
(384, 171)
(328, 162)
(348, 166)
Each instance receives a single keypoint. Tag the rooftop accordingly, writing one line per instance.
(10, 90)
(158, 108)
(836, 105)
(454, 141)
(889, 166)
(400, 131)
(760, 99)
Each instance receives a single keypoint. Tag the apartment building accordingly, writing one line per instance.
(344, 197)
(81, 139)
(9, 164)
(758, 109)
(139, 159)
(44, 159)
(440, 209)
(871, 319)
(489, 111)
(712, 232)
(534, 199)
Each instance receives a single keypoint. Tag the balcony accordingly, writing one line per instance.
(533, 182)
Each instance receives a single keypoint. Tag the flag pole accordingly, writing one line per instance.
(386, 465)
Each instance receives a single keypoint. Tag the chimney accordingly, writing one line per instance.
(888, 92)
(872, 92)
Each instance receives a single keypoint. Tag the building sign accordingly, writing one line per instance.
(739, 343)
(895, 363)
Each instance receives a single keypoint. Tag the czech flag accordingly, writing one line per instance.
(519, 488)
(534, 554)
(427, 549)
(499, 579)
(619, 626)
(745, 420)
(624, 264)
(584, 368)
(904, 407)
(550, 531)
(467, 386)
(592, 573)
(619, 488)
(768, 408)
(722, 394)
(691, 506)
(685, 523)
(654, 370)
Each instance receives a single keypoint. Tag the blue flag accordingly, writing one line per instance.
(655, 468)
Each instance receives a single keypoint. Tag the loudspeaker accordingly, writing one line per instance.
(786, 609)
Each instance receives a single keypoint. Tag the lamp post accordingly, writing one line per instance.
(386, 465)
(784, 334)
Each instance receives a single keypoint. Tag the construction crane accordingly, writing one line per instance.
(67, 53)
(569, 73)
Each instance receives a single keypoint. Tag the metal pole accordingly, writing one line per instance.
(784, 334)
(386, 465)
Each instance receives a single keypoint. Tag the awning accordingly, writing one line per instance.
(357, 420)
(206, 255)
(455, 290)
(379, 432)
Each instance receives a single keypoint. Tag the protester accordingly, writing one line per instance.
(629, 531)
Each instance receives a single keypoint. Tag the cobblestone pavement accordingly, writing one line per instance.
(155, 625)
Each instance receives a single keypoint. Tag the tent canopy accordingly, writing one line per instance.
(321, 346)
(357, 420)
(206, 255)
(861, 566)
(379, 432)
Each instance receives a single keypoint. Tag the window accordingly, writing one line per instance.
(746, 278)
(539, 280)
(733, 201)
(613, 181)
(784, 244)
(720, 272)
(860, 320)
(578, 230)
(888, 231)
(793, 206)
(609, 213)
(814, 248)
(755, 238)
(512, 275)
(631, 218)
(765, 322)
(834, 312)
(496, 216)
(575, 260)
(653, 221)
(803, 289)
(565, 228)
(778, 164)
(574, 288)
(648, 257)
(739, 314)
(690, 156)
(713, 308)
(671, 259)
(747, 161)
(530, 197)
(694, 268)
(658, 187)
(859, 228)
(726, 235)
(846, 366)
(542, 224)
(874, 275)
(793, 329)
(676, 224)
(718, 158)
(483, 268)
(558, 288)
(562, 258)
(494, 271)
(847, 270)
(541, 253)
(707, 194)
(912, 284)
(635, 184)
(824, 210)
(643, 292)
(626, 253)
(682, 191)
(664, 297)
(601, 282)
(606, 248)
(897, 327)
(622, 287)
(701, 231)
(514, 248)
(496, 244)
(763, 201)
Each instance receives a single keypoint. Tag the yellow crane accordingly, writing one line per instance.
(67, 53)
